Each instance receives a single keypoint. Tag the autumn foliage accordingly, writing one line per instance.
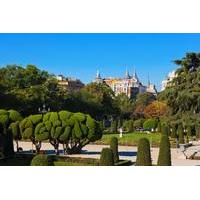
(155, 109)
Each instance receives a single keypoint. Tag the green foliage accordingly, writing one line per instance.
(150, 124)
(114, 148)
(35, 119)
(107, 157)
(41, 160)
(197, 131)
(41, 132)
(165, 130)
(66, 134)
(14, 115)
(139, 123)
(79, 117)
(159, 127)
(174, 132)
(64, 115)
(143, 154)
(114, 126)
(180, 134)
(14, 127)
(164, 158)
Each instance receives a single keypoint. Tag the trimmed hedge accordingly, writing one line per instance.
(42, 160)
(107, 157)
(150, 124)
(164, 158)
(114, 148)
(144, 153)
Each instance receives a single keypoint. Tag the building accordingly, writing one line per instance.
(69, 84)
(168, 79)
(130, 85)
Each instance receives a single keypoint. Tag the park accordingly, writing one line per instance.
(89, 125)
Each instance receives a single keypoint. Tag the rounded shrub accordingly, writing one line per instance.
(42, 160)
(139, 123)
(144, 153)
(107, 157)
(150, 124)
(164, 158)
(114, 148)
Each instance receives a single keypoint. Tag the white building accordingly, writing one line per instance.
(168, 79)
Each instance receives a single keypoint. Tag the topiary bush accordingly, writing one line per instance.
(174, 132)
(107, 157)
(143, 153)
(165, 130)
(180, 134)
(150, 124)
(42, 160)
(7, 131)
(164, 158)
(114, 126)
(114, 148)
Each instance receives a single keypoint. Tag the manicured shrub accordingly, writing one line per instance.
(174, 132)
(130, 126)
(150, 124)
(114, 126)
(107, 157)
(42, 160)
(35, 119)
(197, 131)
(165, 130)
(14, 116)
(79, 116)
(114, 148)
(180, 134)
(164, 158)
(143, 153)
(189, 131)
(159, 128)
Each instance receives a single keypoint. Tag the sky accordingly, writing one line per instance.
(80, 55)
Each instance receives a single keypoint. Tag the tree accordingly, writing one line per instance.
(73, 130)
(164, 158)
(114, 126)
(6, 134)
(125, 105)
(156, 109)
(107, 157)
(114, 148)
(181, 134)
(143, 154)
(150, 124)
(142, 101)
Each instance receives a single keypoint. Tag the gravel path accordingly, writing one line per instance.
(125, 152)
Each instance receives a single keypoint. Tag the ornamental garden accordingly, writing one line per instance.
(94, 116)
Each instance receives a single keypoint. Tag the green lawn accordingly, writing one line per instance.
(131, 138)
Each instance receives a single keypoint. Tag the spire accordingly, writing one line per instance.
(148, 80)
(127, 74)
(135, 75)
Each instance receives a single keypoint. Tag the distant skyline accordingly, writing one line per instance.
(81, 55)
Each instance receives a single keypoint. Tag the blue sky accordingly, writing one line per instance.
(80, 55)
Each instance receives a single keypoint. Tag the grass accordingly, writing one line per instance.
(131, 139)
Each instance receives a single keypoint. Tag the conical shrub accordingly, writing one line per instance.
(181, 135)
(143, 154)
(164, 158)
(107, 157)
(114, 148)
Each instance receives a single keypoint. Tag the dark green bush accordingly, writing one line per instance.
(174, 132)
(107, 157)
(164, 158)
(114, 126)
(143, 153)
(165, 130)
(114, 148)
(150, 124)
(138, 123)
(180, 134)
(42, 160)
